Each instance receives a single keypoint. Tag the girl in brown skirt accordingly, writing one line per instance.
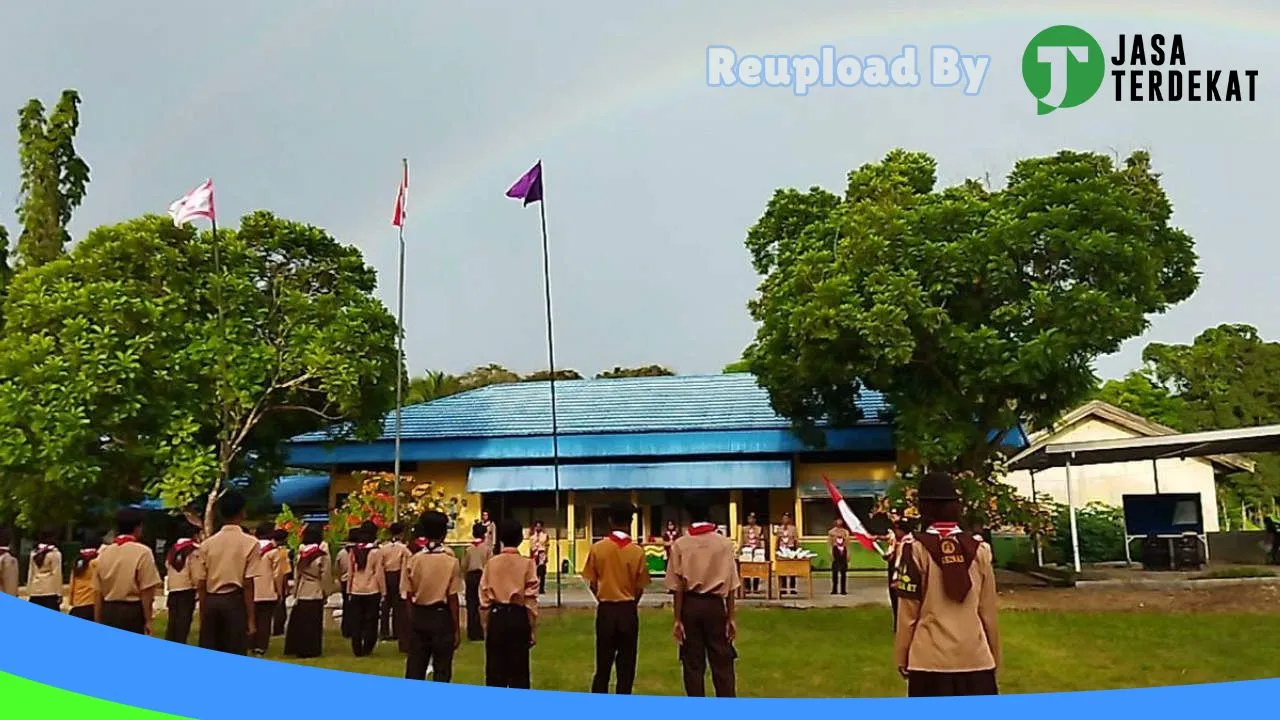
(304, 635)
(44, 573)
(84, 598)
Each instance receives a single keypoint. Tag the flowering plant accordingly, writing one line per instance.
(375, 501)
(291, 524)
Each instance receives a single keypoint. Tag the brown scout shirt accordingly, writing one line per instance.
(430, 577)
(344, 567)
(510, 579)
(394, 556)
(838, 537)
(124, 571)
(312, 576)
(184, 579)
(264, 590)
(788, 538)
(46, 579)
(703, 564)
(476, 556)
(936, 634)
(617, 570)
(226, 559)
(82, 593)
(8, 573)
(372, 580)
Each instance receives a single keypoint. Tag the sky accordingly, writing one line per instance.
(652, 178)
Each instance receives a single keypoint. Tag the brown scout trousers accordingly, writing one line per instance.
(617, 641)
(506, 647)
(124, 616)
(263, 611)
(224, 623)
(182, 608)
(430, 634)
(474, 629)
(391, 618)
(364, 623)
(706, 642)
(946, 684)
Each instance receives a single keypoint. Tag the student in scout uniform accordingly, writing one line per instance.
(669, 536)
(703, 578)
(431, 584)
(304, 637)
(788, 539)
(44, 572)
(752, 540)
(895, 530)
(509, 611)
(267, 589)
(344, 577)
(538, 542)
(281, 615)
(228, 570)
(367, 587)
(838, 541)
(83, 597)
(394, 554)
(490, 530)
(126, 577)
(473, 562)
(180, 571)
(948, 639)
(8, 565)
(617, 572)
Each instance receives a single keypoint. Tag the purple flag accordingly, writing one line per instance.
(529, 187)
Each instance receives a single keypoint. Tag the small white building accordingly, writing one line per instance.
(1109, 483)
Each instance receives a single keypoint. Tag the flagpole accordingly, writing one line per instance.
(400, 349)
(551, 361)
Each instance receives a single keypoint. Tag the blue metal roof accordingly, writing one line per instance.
(634, 476)
(293, 490)
(677, 403)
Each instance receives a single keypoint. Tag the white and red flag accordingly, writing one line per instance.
(851, 521)
(196, 204)
(402, 199)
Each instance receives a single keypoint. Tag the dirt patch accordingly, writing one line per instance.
(1235, 598)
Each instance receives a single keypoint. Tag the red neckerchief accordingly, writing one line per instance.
(701, 528)
(89, 554)
(124, 539)
(309, 553)
(620, 538)
(4, 551)
(266, 546)
(478, 542)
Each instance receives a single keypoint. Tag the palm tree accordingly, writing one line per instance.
(432, 386)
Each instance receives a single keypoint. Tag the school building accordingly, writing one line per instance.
(647, 440)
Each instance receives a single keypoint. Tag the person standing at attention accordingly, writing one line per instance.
(509, 611)
(948, 640)
(126, 578)
(266, 592)
(617, 572)
(280, 617)
(490, 530)
(539, 540)
(180, 563)
(788, 540)
(44, 572)
(344, 578)
(431, 585)
(474, 559)
(8, 565)
(703, 578)
(752, 540)
(669, 536)
(227, 570)
(82, 596)
(838, 541)
(304, 636)
(392, 619)
(367, 587)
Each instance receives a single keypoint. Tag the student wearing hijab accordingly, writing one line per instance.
(83, 596)
(126, 577)
(367, 587)
(8, 565)
(180, 572)
(267, 589)
(509, 611)
(430, 592)
(304, 637)
(948, 640)
(281, 613)
(474, 559)
(44, 572)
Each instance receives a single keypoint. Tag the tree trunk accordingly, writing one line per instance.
(211, 504)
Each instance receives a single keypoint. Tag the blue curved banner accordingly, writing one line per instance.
(93, 661)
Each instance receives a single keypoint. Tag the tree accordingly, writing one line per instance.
(434, 385)
(119, 376)
(740, 365)
(1141, 395)
(545, 375)
(646, 371)
(970, 309)
(491, 374)
(54, 177)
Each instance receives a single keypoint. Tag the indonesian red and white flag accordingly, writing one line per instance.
(402, 199)
(851, 521)
(196, 204)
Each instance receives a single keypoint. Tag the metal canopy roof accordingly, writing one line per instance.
(1186, 445)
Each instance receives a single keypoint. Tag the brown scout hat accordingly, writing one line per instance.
(937, 486)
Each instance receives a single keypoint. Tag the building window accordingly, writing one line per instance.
(820, 513)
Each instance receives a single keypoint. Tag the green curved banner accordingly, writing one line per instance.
(25, 698)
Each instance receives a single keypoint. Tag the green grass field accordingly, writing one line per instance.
(847, 653)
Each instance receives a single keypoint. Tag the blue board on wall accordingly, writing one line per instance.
(1163, 514)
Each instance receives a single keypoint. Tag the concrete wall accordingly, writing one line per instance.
(1108, 483)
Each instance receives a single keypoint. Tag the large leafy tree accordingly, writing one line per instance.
(120, 376)
(972, 309)
(434, 385)
(54, 177)
(645, 371)
(545, 375)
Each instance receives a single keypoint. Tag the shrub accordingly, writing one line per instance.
(1100, 528)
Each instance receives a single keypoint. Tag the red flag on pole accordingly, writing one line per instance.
(402, 199)
(851, 521)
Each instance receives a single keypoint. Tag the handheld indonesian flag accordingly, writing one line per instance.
(850, 520)
(402, 199)
(196, 204)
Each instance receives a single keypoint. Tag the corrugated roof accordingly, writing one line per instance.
(615, 405)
